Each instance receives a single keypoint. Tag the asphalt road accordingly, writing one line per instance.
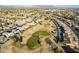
(67, 49)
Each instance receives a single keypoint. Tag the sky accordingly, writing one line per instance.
(67, 6)
(43, 6)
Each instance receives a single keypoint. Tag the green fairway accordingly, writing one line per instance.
(34, 40)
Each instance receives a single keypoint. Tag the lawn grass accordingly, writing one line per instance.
(42, 33)
(34, 41)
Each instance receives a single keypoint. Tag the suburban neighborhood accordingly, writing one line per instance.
(39, 30)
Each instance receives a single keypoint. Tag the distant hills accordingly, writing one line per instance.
(26, 6)
(44, 6)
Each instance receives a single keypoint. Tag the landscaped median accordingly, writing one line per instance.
(34, 41)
